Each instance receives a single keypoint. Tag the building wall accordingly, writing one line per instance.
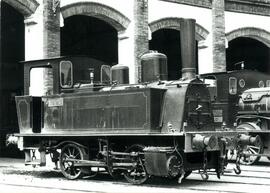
(34, 34)
(42, 30)
(157, 10)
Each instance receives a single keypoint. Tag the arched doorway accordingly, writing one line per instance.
(11, 83)
(12, 32)
(252, 52)
(86, 35)
(167, 41)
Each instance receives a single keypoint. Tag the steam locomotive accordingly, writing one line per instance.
(229, 91)
(91, 118)
(253, 116)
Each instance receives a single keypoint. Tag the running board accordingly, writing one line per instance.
(84, 163)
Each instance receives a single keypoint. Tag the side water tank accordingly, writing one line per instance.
(120, 74)
(154, 67)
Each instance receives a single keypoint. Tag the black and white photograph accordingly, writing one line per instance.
(134, 96)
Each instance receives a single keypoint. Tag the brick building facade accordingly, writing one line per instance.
(135, 22)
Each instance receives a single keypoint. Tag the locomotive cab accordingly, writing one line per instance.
(225, 90)
(64, 74)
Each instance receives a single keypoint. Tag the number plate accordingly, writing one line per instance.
(218, 119)
(56, 102)
(218, 115)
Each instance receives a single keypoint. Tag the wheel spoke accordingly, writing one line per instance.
(253, 151)
(70, 151)
(254, 147)
(65, 155)
(77, 155)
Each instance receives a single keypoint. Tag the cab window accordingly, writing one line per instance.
(105, 74)
(41, 81)
(232, 85)
(66, 72)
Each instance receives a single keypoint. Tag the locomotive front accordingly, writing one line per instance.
(157, 128)
(253, 116)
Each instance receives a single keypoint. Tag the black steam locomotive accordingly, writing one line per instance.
(253, 116)
(91, 118)
(232, 107)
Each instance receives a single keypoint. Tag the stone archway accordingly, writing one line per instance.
(98, 10)
(12, 50)
(173, 23)
(92, 29)
(250, 45)
(250, 32)
(166, 39)
(25, 7)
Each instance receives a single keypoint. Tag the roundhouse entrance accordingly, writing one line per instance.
(252, 52)
(167, 41)
(11, 72)
(86, 35)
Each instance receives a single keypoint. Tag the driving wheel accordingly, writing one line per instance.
(69, 153)
(251, 149)
(136, 174)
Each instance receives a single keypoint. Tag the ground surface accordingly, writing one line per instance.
(15, 177)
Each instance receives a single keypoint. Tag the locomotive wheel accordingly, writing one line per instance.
(251, 149)
(71, 151)
(136, 175)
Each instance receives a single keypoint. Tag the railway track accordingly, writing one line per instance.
(252, 179)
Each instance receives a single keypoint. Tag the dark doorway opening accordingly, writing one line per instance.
(85, 35)
(253, 53)
(11, 84)
(167, 41)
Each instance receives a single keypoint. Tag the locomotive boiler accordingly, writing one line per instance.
(156, 128)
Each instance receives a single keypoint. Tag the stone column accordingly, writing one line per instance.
(218, 28)
(141, 44)
(0, 31)
(51, 25)
(1, 64)
(51, 38)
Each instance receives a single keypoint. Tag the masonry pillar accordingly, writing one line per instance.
(51, 26)
(218, 28)
(0, 64)
(141, 44)
(0, 31)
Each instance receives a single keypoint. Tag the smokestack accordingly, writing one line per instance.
(188, 46)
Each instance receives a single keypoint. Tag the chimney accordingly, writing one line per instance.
(188, 46)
